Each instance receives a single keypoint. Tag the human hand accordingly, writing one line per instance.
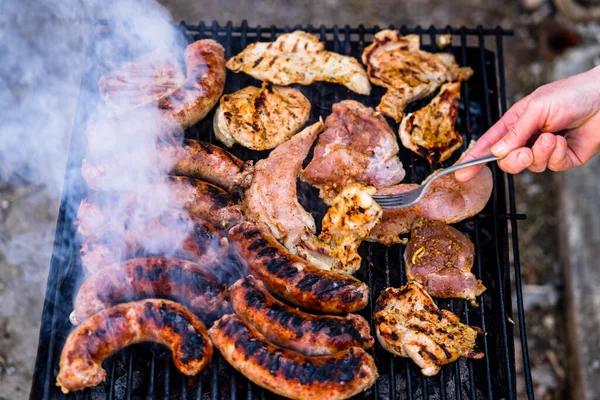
(571, 104)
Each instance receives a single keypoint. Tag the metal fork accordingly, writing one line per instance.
(411, 197)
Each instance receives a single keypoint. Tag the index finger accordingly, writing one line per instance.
(482, 147)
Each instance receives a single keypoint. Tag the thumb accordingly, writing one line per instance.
(521, 130)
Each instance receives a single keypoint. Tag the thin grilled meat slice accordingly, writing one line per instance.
(313, 335)
(288, 373)
(194, 158)
(108, 331)
(184, 281)
(430, 131)
(299, 57)
(205, 200)
(173, 233)
(409, 324)
(440, 258)
(293, 278)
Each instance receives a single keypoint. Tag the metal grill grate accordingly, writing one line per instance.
(146, 371)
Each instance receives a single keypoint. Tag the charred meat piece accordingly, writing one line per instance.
(272, 200)
(357, 146)
(430, 131)
(288, 373)
(408, 73)
(299, 57)
(260, 118)
(313, 335)
(176, 111)
(440, 258)
(447, 200)
(293, 278)
(195, 159)
(173, 233)
(108, 331)
(184, 281)
(349, 219)
(409, 324)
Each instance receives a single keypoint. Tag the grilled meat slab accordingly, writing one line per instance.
(440, 258)
(357, 145)
(430, 131)
(409, 324)
(288, 373)
(293, 278)
(184, 281)
(272, 200)
(408, 73)
(177, 110)
(309, 334)
(172, 233)
(447, 200)
(108, 331)
(299, 57)
(260, 118)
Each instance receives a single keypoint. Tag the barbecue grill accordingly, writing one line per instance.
(146, 370)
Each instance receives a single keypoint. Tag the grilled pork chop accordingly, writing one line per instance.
(396, 63)
(357, 146)
(299, 57)
(430, 131)
(409, 324)
(440, 258)
(447, 200)
(260, 118)
(271, 200)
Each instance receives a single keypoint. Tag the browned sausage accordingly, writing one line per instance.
(288, 373)
(108, 331)
(293, 278)
(186, 282)
(286, 326)
(176, 234)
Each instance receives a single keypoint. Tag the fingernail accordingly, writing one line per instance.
(524, 158)
(499, 148)
(546, 141)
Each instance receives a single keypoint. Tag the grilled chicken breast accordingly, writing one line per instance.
(349, 219)
(292, 278)
(184, 281)
(172, 233)
(260, 118)
(396, 63)
(288, 373)
(299, 57)
(108, 331)
(357, 145)
(313, 335)
(447, 200)
(272, 200)
(409, 324)
(430, 131)
(440, 258)
(195, 159)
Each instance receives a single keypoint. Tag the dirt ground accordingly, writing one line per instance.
(28, 211)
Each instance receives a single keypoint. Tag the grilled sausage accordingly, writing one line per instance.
(205, 200)
(177, 234)
(195, 159)
(293, 278)
(286, 326)
(108, 331)
(183, 281)
(288, 373)
(212, 164)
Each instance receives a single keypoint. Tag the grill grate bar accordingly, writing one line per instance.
(498, 177)
(515, 237)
